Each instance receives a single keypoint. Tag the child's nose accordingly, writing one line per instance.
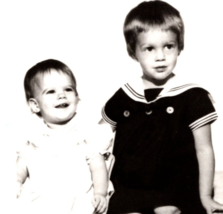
(61, 95)
(160, 56)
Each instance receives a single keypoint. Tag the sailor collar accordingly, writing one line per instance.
(175, 86)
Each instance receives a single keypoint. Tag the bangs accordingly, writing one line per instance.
(168, 23)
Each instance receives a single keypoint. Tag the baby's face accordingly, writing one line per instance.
(55, 97)
(157, 52)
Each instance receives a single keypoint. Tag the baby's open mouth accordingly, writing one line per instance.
(64, 105)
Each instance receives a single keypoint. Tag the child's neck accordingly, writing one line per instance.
(61, 127)
(151, 83)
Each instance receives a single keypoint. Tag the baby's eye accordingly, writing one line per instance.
(149, 49)
(69, 89)
(50, 92)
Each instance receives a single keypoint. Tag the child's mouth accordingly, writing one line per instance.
(160, 68)
(64, 105)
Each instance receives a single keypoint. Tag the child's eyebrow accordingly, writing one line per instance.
(154, 45)
(45, 90)
(172, 41)
(146, 45)
(70, 86)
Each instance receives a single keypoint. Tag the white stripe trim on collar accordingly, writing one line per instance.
(135, 90)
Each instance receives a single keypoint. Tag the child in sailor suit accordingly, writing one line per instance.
(163, 149)
(154, 144)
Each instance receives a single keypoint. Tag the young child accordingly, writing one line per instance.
(163, 150)
(59, 152)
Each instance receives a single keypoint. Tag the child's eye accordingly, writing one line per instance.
(149, 49)
(69, 89)
(168, 47)
(50, 92)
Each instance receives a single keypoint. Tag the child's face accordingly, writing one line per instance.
(55, 97)
(157, 52)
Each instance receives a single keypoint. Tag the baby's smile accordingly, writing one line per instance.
(63, 105)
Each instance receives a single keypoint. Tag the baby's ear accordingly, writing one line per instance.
(33, 104)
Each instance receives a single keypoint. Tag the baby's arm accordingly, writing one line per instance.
(103, 122)
(100, 182)
(205, 156)
(22, 174)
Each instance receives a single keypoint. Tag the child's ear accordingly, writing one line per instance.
(33, 104)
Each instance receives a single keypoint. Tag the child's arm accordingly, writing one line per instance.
(22, 174)
(100, 181)
(205, 156)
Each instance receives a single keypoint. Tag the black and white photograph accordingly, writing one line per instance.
(111, 107)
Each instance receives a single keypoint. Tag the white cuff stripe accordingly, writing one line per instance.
(108, 120)
(204, 120)
(202, 124)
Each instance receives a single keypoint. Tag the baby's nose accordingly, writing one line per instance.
(61, 95)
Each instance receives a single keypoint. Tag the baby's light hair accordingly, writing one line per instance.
(149, 15)
(42, 68)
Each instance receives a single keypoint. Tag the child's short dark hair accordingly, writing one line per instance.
(42, 68)
(152, 14)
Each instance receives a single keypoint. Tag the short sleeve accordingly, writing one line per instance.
(200, 109)
(99, 141)
(25, 150)
(28, 135)
(23, 146)
(110, 112)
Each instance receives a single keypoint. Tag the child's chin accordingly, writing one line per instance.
(66, 120)
(164, 77)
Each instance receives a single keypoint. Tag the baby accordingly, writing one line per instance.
(57, 156)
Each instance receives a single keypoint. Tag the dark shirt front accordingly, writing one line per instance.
(156, 163)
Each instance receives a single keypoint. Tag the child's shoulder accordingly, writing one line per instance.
(181, 84)
(193, 91)
(30, 126)
(131, 85)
